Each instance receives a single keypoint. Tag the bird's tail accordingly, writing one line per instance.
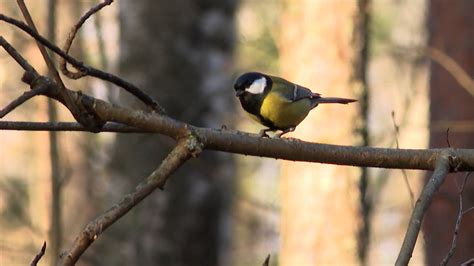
(333, 100)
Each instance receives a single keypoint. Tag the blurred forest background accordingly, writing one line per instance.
(222, 209)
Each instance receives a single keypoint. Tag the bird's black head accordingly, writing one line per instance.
(251, 82)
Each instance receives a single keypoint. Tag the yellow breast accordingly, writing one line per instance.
(284, 113)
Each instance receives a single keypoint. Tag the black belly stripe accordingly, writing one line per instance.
(266, 122)
(252, 105)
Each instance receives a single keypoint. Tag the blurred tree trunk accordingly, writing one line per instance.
(180, 52)
(55, 230)
(451, 106)
(320, 211)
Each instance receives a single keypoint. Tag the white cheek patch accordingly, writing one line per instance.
(258, 86)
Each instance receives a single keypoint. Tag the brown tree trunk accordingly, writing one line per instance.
(452, 106)
(320, 212)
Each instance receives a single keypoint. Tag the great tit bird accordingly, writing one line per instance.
(277, 103)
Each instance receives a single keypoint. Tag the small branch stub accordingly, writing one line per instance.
(39, 255)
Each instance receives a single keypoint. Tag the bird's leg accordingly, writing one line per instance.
(263, 132)
(291, 129)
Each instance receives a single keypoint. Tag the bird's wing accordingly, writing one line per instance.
(292, 91)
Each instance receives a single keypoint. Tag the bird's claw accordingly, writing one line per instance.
(291, 129)
(263, 133)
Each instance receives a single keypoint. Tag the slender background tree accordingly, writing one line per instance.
(331, 190)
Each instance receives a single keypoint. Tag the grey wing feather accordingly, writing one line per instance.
(301, 92)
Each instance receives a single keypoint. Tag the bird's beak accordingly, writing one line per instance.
(239, 93)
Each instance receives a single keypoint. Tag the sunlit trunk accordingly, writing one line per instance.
(320, 203)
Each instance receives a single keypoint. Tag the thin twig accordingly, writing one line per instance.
(447, 138)
(458, 222)
(450, 65)
(91, 71)
(72, 35)
(23, 98)
(441, 170)
(445, 61)
(39, 255)
(468, 262)
(185, 149)
(15, 55)
(405, 176)
(468, 210)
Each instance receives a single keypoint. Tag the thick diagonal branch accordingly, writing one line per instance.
(185, 149)
(441, 170)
